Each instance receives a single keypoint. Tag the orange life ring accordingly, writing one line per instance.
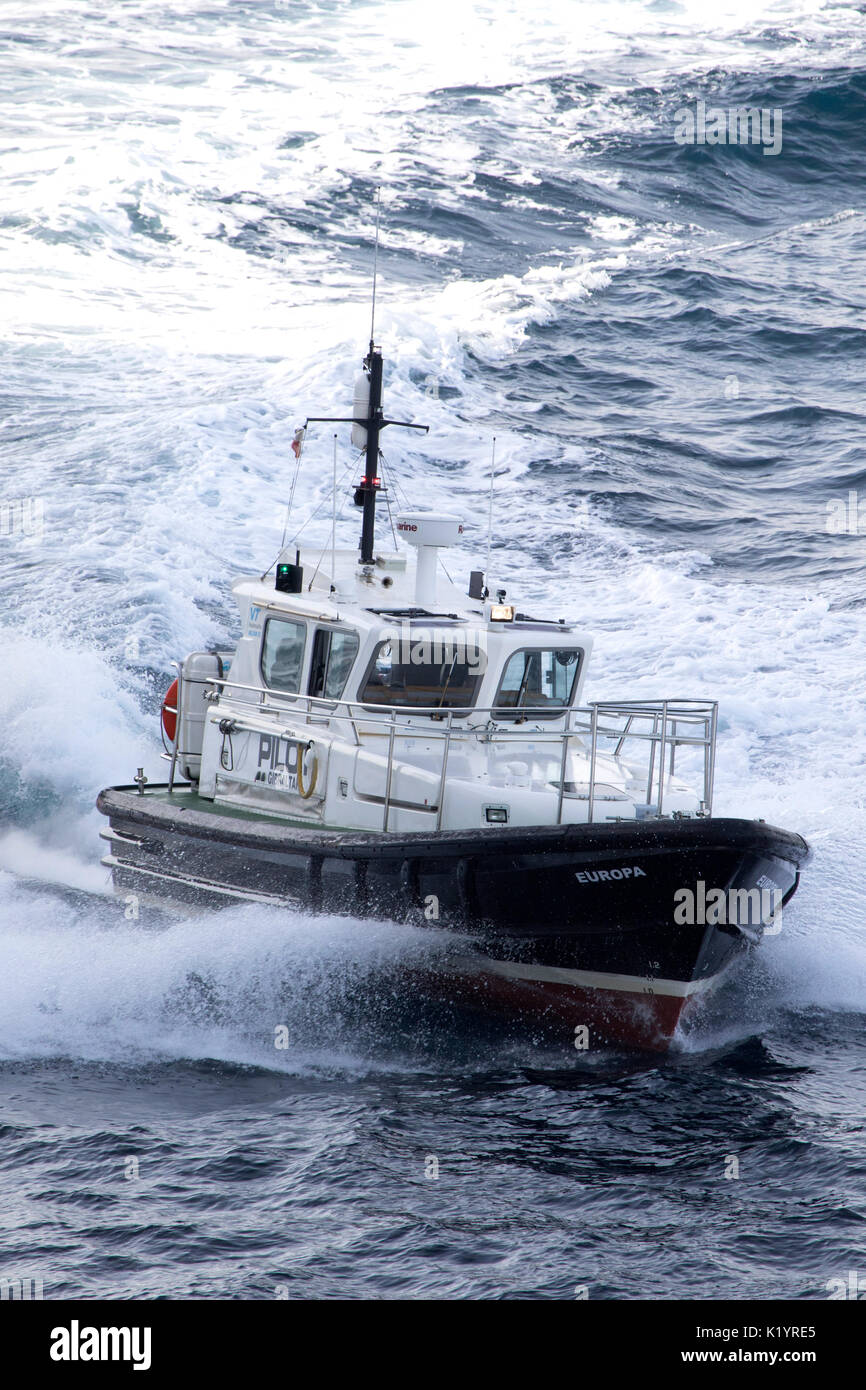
(169, 711)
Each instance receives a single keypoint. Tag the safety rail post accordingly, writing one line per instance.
(710, 756)
(391, 734)
(590, 809)
(352, 718)
(652, 758)
(566, 735)
(445, 751)
(625, 733)
(662, 756)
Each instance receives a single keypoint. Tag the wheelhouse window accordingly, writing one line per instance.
(539, 679)
(283, 654)
(334, 653)
(436, 671)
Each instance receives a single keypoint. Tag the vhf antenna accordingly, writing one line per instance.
(372, 424)
(375, 264)
(490, 511)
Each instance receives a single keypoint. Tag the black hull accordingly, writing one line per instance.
(574, 922)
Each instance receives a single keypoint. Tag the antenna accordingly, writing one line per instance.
(375, 263)
(334, 522)
(490, 512)
(372, 422)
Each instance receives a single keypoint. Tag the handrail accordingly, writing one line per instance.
(687, 706)
(662, 726)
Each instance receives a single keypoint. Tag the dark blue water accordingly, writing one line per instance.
(667, 342)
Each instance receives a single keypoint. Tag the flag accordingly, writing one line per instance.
(298, 442)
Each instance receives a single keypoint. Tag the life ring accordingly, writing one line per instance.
(169, 711)
(303, 792)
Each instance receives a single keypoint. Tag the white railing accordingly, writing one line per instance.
(656, 728)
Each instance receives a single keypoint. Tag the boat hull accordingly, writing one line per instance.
(577, 925)
(580, 1008)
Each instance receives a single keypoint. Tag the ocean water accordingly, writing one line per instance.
(667, 342)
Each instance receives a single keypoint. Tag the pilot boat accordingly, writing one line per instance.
(385, 743)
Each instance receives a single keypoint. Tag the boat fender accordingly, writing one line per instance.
(303, 749)
(169, 711)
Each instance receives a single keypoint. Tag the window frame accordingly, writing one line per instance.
(295, 621)
(331, 629)
(517, 712)
(421, 711)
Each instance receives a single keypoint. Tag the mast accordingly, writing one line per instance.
(370, 426)
(369, 484)
(373, 366)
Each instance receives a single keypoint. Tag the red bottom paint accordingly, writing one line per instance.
(638, 1019)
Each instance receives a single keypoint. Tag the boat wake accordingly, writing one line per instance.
(296, 994)
(80, 978)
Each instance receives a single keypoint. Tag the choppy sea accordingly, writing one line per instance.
(668, 342)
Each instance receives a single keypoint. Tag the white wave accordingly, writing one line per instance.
(129, 168)
(30, 857)
(67, 722)
(252, 986)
